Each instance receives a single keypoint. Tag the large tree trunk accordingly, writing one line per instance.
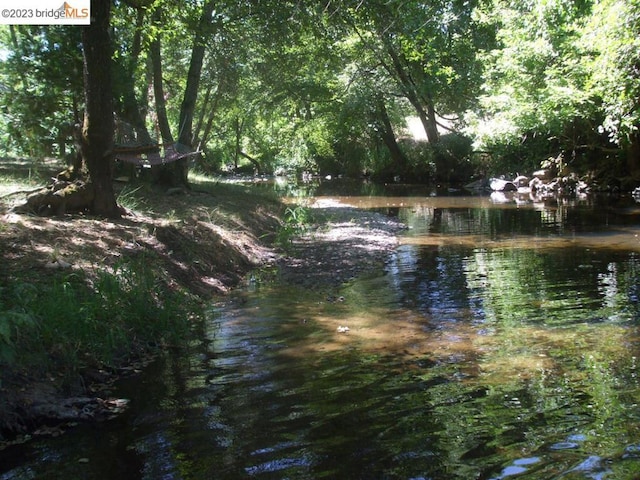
(175, 174)
(161, 174)
(98, 128)
(424, 107)
(430, 122)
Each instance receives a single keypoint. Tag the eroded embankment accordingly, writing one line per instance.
(199, 244)
(203, 243)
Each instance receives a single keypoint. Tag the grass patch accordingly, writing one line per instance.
(130, 198)
(80, 294)
(72, 322)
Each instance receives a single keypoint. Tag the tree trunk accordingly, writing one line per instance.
(187, 108)
(158, 88)
(98, 128)
(633, 155)
(430, 123)
(204, 138)
(254, 161)
(398, 158)
(129, 108)
(237, 128)
(203, 110)
(425, 109)
(161, 174)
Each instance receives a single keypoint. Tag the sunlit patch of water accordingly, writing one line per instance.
(501, 341)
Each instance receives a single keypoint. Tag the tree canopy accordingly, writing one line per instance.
(327, 86)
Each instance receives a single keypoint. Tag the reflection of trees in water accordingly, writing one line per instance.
(554, 332)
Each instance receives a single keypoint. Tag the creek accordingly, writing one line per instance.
(501, 340)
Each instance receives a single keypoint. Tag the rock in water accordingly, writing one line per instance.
(500, 185)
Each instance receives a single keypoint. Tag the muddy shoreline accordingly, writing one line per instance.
(343, 243)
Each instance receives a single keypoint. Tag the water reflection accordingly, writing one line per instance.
(501, 342)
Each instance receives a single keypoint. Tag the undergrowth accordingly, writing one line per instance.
(73, 321)
(297, 220)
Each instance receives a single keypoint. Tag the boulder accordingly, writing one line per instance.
(521, 181)
(501, 185)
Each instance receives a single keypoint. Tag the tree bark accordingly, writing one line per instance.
(203, 110)
(98, 127)
(237, 128)
(633, 155)
(204, 137)
(398, 158)
(254, 161)
(187, 108)
(158, 87)
(128, 105)
(424, 107)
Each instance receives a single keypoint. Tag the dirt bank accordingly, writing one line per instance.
(205, 241)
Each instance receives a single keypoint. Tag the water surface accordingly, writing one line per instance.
(500, 341)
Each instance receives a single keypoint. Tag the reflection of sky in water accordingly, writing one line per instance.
(517, 467)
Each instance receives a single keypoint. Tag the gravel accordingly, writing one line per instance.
(346, 243)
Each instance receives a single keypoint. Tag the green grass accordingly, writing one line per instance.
(63, 321)
(297, 220)
(70, 323)
(130, 197)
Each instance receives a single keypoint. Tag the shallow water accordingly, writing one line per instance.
(501, 341)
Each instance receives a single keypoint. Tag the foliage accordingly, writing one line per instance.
(297, 219)
(126, 310)
(535, 84)
(128, 199)
(40, 88)
(452, 158)
(287, 86)
(563, 81)
(612, 35)
(15, 317)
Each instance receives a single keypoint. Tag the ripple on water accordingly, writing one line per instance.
(280, 464)
(593, 467)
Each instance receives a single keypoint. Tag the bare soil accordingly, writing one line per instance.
(206, 241)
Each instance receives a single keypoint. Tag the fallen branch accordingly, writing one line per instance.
(22, 192)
